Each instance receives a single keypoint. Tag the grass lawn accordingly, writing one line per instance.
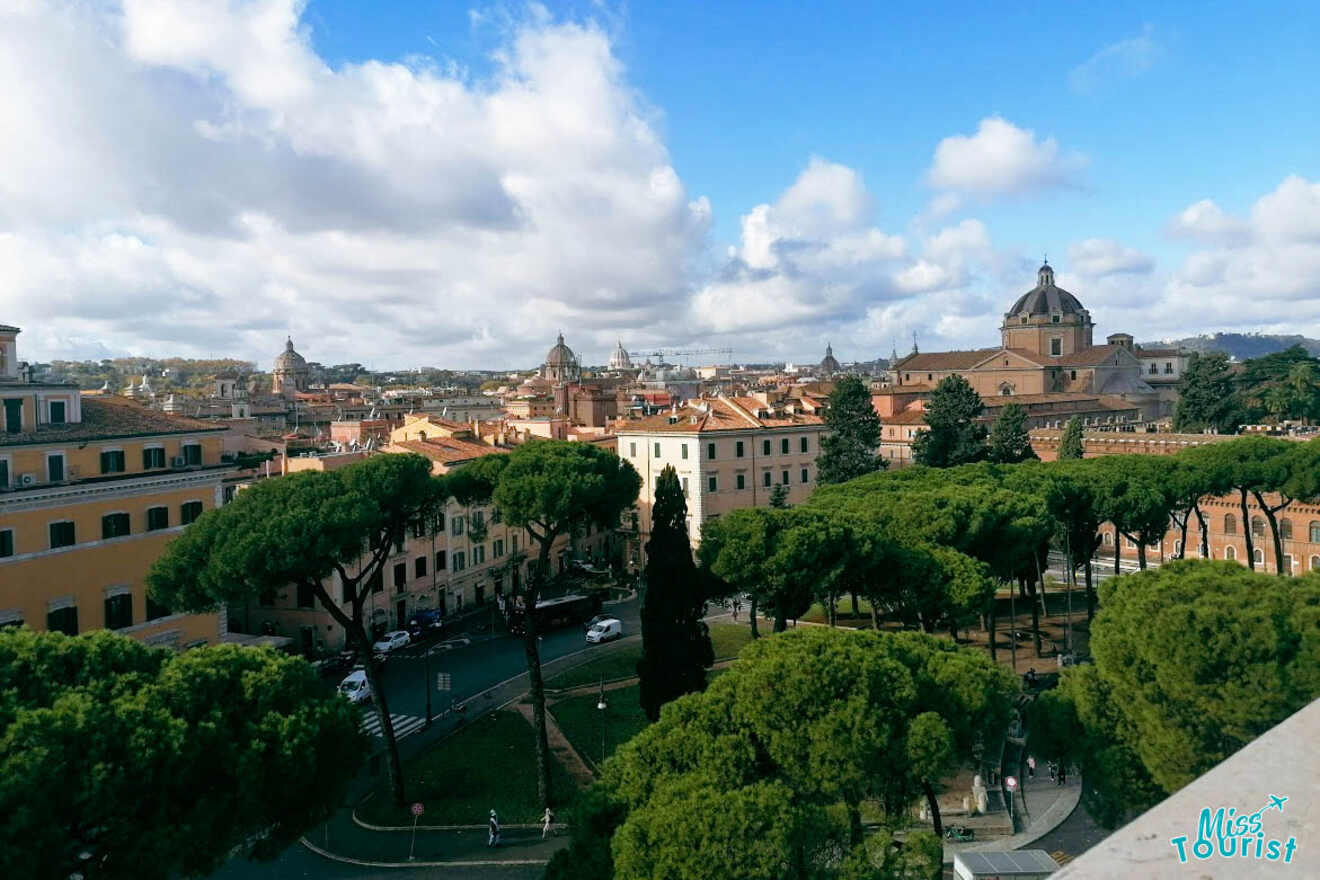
(843, 613)
(620, 661)
(580, 720)
(728, 638)
(489, 765)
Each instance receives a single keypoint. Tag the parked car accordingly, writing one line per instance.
(595, 620)
(605, 630)
(392, 641)
(356, 687)
(426, 622)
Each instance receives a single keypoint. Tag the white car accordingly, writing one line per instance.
(391, 640)
(356, 687)
(605, 630)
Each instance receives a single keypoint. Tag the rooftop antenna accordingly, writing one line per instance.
(914, 341)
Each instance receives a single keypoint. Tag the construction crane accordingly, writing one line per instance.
(673, 352)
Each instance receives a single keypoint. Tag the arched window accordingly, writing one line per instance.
(1258, 526)
(1258, 555)
(1109, 539)
(1230, 524)
(1230, 552)
(1285, 529)
(1177, 548)
(1315, 563)
(1287, 563)
(1006, 390)
(1315, 533)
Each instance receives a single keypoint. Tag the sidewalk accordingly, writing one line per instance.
(343, 840)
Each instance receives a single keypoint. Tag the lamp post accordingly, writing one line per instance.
(601, 705)
(426, 681)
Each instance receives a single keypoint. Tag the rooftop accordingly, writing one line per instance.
(446, 450)
(719, 414)
(107, 417)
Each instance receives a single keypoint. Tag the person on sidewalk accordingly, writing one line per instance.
(1031, 767)
(494, 825)
(546, 821)
(1063, 774)
(1054, 772)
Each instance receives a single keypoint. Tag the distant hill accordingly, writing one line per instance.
(1242, 345)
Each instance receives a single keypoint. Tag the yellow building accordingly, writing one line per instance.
(91, 490)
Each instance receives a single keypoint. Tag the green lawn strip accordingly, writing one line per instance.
(728, 638)
(490, 765)
(581, 721)
(842, 613)
(620, 661)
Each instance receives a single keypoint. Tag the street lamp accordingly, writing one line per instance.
(601, 705)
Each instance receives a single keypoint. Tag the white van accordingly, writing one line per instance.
(356, 687)
(605, 630)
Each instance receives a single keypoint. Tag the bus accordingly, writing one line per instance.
(560, 611)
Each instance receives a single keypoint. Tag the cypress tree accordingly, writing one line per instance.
(1010, 442)
(849, 449)
(1070, 444)
(676, 649)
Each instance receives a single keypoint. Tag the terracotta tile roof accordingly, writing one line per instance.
(943, 360)
(1157, 352)
(914, 388)
(906, 417)
(107, 417)
(447, 450)
(1088, 357)
(718, 414)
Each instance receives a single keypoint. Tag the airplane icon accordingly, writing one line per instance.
(1276, 803)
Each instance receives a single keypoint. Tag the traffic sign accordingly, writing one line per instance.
(1010, 782)
(442, 681)
(418, 809)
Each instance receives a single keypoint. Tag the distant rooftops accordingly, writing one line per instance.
(104, 418)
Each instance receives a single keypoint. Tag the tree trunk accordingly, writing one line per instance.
(1205, 531)
(1090, 594)
(875, 618)
(1182, 534)
(536, 686)
(1274, 527)
(1118, 551)
(855, 613)
(833, 621)
(781, 619)
(1141, 554)
(994, 646)
(934, 806)
(393, 768)
(854, 823)
(1246, 531)
(752, 617)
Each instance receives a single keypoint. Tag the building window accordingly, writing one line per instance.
(1154, 370)
(114, 525)
(1072, 374)
(440, 560)
(1230, 553)
(783, 446)
(765, 447)
(657, 450)
(64, 620)
(685, 487)
(514, 544)
(741, 481)
(1054, 319)
(1287, 563)
(765, 478)
(805, 477)
(783, 478)
(1109, 539)
(419, 567)
(1258, 556)
(1177, 548)
(158, 518)
(4, 473)
(496, 517)
(804, 444)
(56, 412)
(632, 450)
(456, 526)
(710, 451)
(189, 511)
(1056, 347)
(153, 457)
(192, 453)
(460, 562)
(1258, 526)
(55, 468)
(1230, 524)
(682, 450)
(112, 461)
(418, 527)
(1315, 532)
(738, 449)
(400, 576)
(306, 596)
(1168, 369)
(479, 554)
(710, 484)
(1285, 529)
(6, 543)
(497, 548)
(1315, 563)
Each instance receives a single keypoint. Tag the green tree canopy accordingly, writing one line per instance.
(1010, 440)
(301, 530)
(952, 436)
(1192, 661)
(676, 648)
(1070, 444)
(849, 449)
(156, 764)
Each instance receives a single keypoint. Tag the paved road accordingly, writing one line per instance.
(1078, 833)
(476, 661)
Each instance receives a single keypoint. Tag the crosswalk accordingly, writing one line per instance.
(404, 725)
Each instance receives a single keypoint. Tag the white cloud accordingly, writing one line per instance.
(1206, 221)
(1123, 59)
(1097, 257)
(1002, 159)
(190, 177)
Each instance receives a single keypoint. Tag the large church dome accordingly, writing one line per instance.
(289, 360)
(1045, 298)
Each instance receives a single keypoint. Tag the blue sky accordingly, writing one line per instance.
(443, 183)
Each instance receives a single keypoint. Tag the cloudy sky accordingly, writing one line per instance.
(445, 184)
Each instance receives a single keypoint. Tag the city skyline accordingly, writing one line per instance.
(444, 186)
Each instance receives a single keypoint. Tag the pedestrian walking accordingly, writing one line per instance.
(1054, 771)
(494, 825)
(1031, 767)
(546, 821)
(1063, 774)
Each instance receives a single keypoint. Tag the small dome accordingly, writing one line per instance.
(619, 360)
(1045, 298)
(560, 355)
(829, 364)
(289, 359)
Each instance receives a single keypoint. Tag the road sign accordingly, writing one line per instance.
(442, 681)
(418, 809)
(1010, 782)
